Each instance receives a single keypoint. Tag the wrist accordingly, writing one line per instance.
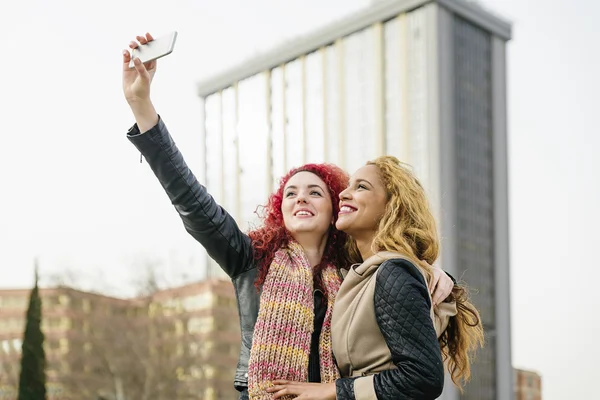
(332, 391)
(144, 113)
(139, 103)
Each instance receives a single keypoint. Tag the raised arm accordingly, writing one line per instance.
(136, 86)
(202, 217)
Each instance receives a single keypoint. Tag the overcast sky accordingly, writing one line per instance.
(74, 193)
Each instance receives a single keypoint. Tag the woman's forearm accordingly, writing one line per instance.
(144, 113)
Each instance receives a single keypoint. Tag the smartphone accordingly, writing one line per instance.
(155, 49)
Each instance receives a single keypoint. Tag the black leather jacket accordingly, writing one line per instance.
(406, 327)
(219, 234)
(209, 224)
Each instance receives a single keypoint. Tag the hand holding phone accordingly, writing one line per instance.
(137, 80)
(154, 49)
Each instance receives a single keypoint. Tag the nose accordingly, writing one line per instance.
(345, 194)
(301, 197)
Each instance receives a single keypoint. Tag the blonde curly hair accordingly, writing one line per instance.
(408, 227)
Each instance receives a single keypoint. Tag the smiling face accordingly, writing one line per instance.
(362, 204)
(306, 205)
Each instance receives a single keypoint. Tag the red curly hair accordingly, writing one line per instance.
(273, 235)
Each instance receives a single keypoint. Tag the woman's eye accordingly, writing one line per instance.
(361, 186)
(315, 193)
(288, 194)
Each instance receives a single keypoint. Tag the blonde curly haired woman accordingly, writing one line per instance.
(389, 339)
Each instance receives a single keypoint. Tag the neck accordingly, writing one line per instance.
(313, 249)
(365, 245)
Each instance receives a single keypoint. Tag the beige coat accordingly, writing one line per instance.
(358, 344)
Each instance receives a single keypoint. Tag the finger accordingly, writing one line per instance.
(275, 388)
(441, 292)
(281, 393)
(145, 39)
(126, 60)
(133, 44)
(151, 65)
(141, 69)
(437, 295)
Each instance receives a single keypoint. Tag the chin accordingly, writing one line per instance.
(343, 226)
(309, 229)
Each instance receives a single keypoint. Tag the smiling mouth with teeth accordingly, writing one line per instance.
(346, 209)
(303, 213)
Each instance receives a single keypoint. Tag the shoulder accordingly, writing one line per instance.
(399, 280)
(399, 270)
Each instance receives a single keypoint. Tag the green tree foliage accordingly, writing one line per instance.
(32, 379)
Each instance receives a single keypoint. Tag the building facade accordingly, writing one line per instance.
(206, 318)
(66, 326)
(528, 385)
(424, 80)
(180, 343)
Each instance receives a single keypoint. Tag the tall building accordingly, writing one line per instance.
(424, 80)
(528, 385)
(179, 343)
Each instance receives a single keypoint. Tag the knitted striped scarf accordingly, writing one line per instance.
(282, 334)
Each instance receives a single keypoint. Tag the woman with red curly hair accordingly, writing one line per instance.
(285, 273)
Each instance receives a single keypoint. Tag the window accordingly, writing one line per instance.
(179, 327)
(209, 393)
(230, 153)
(63, 345)
(64, 300)
(209, 372)
(17, 344)
(277, 125)
(56, 323)
(359, 99)
(19, 302)
(314, 112)
(5, 346)
(332, 105)
(417, 45)
(395, 107)
(229, 302)
(255, 166)
(11, 325)
(195, 372)
(214, 146)
(294, 140)
(198, 302)
(86, 306)
(201, 324)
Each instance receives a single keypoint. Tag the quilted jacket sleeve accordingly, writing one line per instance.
(402, 309)
(202, 217)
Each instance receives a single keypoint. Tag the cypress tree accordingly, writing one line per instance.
(32, 379)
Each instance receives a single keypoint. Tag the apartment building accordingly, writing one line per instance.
(528, 385)
(179, 343)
